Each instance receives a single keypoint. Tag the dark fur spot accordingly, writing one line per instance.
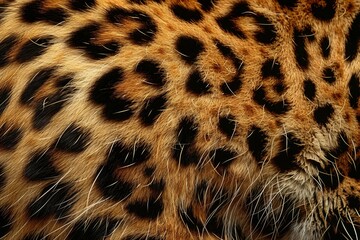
(288, 3)
(6, 45)
(3, 7)
(118, 109)
(330, 176)
(309, 89)
(56, 199)
(5, 94)
(95, 228)
(142, 237)
(273, 220)
(33, 48)
(324, 13)
(280, 107)
(102, 93)
(145, 1)
(353, 40)
(325, 47)
(271, 68)
(186, 14)
(230, 88)
(157, 187)
(216, 226)
(189, 48)
(154, 74)
(141, 35)
(33, 86)
(207, 5)
(308, 33)
(48, 107)
(35, 236)
(117, 15)
(149, 171)
(257, 140)
(82, 5)
(196, 84)
(227, 23)
(285, 160)
(185, 154)
(227, 52)
(110, 185)
(82, 39)
(63, 81)
(355, 169)
(31, 11)
(341, 228)
(222, 157)
(183, 150)
(145, 34)
(329, 75)
(40, 167)
(322, 114)
(122, 156)
(10, 137)
(279, 87)
(348, 230)
(150, 209)
(301, 54)
(74, 139)
(353, 202)
(189, 220)
(103, 88)
(233, 86)
(5, 221)
(187, 130)
(34, 11)
(227, 125)
(55, 16)
(152, 109)
(354, 91)
(267, 34)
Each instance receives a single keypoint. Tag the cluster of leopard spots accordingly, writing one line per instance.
(266, 35)
(29, 50)
(73, 139)
(10, 136)
(46, 107)
(325, 110)
(119, 109)
(183, 150)
(109, 182)
(114, 178)
(81, 39)
(271, 69)
(233, 86)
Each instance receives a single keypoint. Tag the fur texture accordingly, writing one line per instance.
(164, 119)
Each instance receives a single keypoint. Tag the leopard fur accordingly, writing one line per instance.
(179, 119)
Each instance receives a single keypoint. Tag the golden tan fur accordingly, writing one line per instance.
(242, 175)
